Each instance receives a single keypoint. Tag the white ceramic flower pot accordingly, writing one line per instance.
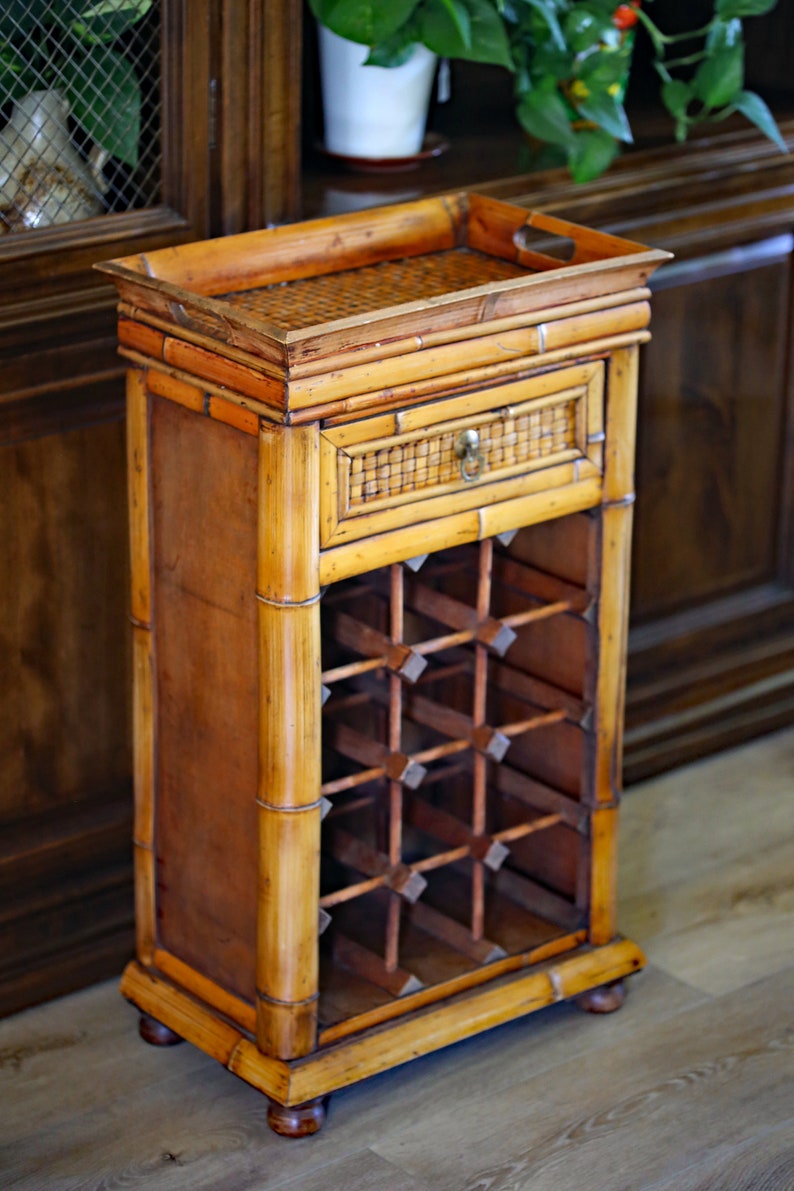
(373, 111)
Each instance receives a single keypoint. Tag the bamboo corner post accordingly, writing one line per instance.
(381, 484)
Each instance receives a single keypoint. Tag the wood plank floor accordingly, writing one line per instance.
(690, 1087)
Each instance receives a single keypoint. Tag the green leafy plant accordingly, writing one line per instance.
(72, 45)
(571, 61)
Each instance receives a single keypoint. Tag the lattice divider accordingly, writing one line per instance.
(395, 787)
(393, 747)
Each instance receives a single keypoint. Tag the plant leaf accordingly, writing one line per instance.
(723, 34)
(585, 29)
(593, 151)
(445, 28)
(108, 19)
(397, 50)
(756, 111)
(366, 21)
(676, 97)
(548, 12)
(487, 40)
(544, 115)
(605, 67)
(719, 78)
(727, 9)
(608, 113)
(105, 100)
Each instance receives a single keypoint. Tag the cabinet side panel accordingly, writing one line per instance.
(204, 477)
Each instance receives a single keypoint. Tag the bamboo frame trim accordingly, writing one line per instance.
(138, 468)
(183, 1011)
(164, 384)
(169, 387)
(258, 407)
(514, 996)
(135, 323)
(355, 558)
(287, 603)
(291, 810)
(556, 474)
(426, 365)
(388, 348)
(447, 988)
(385, 396)
(288, 634)
(603, 874)
(382, 427)
(376, 1041)
(340, 411)
(383, 1042)
(242, 1013)
(305, 1001)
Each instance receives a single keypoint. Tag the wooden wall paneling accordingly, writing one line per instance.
(281, 124)
(260, 113)
(714, 423)
(713, 598)
(65, 904)
(65, 799)
(64, 725)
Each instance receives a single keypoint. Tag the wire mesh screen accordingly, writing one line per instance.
(80, 110)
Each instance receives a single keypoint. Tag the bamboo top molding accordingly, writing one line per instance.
(316, 291)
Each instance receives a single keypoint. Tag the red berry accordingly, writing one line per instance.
(625, 15)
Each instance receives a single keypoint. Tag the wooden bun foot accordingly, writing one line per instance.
(300, 1120)
(604, 999)
(155, 1033)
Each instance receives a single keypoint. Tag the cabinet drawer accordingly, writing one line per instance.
(461, 453)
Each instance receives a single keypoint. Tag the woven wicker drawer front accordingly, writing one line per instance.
(406, 467)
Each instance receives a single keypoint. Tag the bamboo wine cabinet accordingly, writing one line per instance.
(381, 492)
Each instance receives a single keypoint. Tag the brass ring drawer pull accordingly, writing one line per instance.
(467, 449)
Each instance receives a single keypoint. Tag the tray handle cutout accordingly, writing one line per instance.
(556, 251)
(206, 323)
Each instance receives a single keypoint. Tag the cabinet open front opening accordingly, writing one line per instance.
(455, 735)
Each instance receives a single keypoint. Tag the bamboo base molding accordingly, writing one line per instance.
(296, 1082)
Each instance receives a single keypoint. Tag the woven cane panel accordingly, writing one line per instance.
(312, 300)
(429, 462)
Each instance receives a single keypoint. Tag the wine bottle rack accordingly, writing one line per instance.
(381, 491)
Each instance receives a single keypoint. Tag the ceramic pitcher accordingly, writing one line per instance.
(43, 179)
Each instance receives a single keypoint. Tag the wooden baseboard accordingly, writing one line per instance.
(708, 724)
(66, 904)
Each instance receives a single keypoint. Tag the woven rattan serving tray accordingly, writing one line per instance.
(294, 301)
